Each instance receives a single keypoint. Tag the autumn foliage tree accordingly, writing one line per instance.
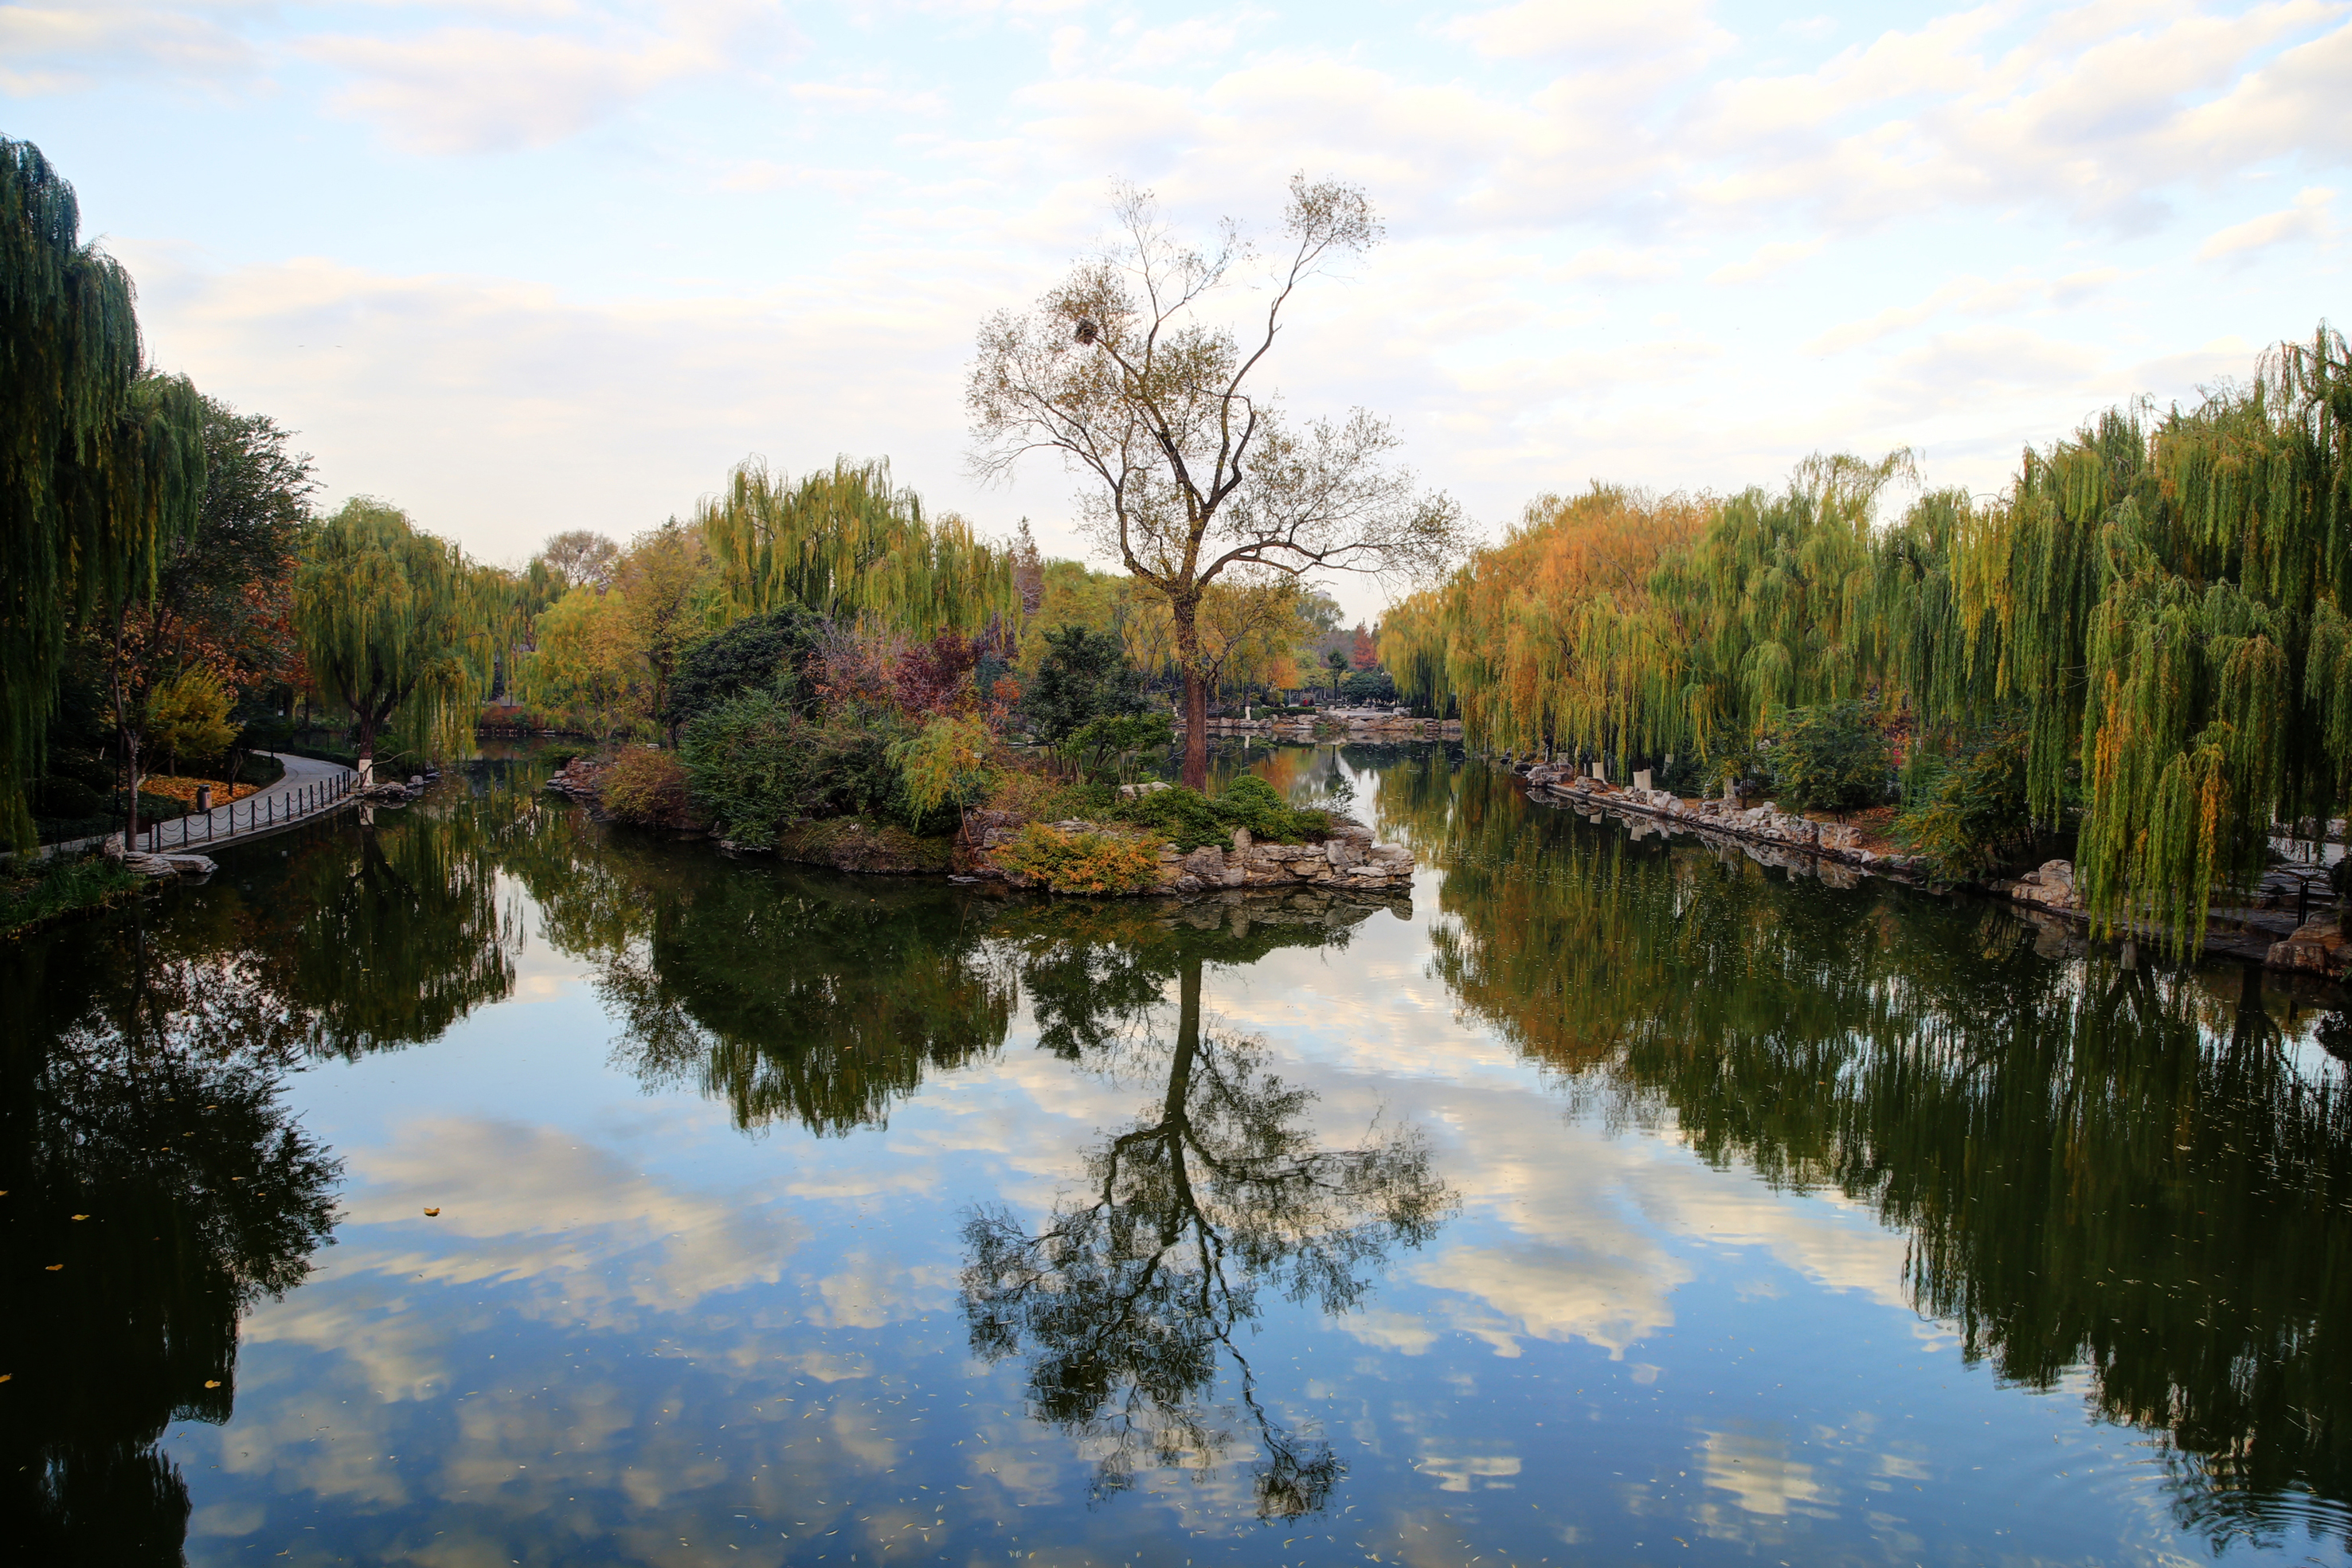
(1192, 470)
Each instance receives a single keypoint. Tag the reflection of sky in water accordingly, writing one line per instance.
(636, 1335)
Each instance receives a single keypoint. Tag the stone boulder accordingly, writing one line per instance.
(2051, 886)
(2318, 947)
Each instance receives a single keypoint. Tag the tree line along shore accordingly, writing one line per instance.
(2139, 646)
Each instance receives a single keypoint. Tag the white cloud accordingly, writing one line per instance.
(2090, 114)
(1755, 1468)
(470, 89)
(2308, 219)
(1586, 29)
(1767, 260)
(1967, 296)
(55, 49)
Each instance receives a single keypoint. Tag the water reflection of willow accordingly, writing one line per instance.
(156, 1189)
(1127, 1300)
(805, 996)
(2098, 1166)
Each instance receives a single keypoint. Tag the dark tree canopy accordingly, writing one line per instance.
(102, 467)
(760, 653)
(1085, 676)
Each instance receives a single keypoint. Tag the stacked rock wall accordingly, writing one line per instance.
(1346, 860)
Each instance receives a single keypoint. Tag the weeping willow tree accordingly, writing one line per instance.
(398, 626)
(849, 545)
(2166, 597)
(1622, 624)
(101, 467)
(2162, 603)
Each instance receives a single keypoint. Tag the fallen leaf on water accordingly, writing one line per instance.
(212, 1383)
(430, 1213)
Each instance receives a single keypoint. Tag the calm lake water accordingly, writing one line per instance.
(1615, 1199)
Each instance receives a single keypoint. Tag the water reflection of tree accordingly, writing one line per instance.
(1128, 1301)
(2103, 1167)
(402, 930)
(156, 1189)
(802, 994)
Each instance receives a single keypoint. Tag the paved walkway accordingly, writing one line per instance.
(309, 788)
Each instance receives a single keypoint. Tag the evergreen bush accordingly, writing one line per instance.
(1830, 757)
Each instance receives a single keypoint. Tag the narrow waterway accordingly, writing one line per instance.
(480, 1185)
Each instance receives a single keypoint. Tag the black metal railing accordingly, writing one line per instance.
(262, 813)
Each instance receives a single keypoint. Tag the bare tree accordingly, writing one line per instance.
(1190, 472)
(581, 558)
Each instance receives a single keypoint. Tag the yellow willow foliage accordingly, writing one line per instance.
(1073, 594)
(397, 626)
(1775, 593)
(586, 664)
(1555, 637)
(848, 544)
(1249, 630)
(2162, 599)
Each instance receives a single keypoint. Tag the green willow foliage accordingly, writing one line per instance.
(2163, 599)
(102, 467)
(398, 625)
(849, 545)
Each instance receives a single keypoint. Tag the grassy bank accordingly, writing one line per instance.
(37, 893)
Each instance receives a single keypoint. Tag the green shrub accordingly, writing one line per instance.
(763, 653)
(1971, 811)
(751, 762)
(60, 886)
(645, 787)
(1109, 744)
(1189, 819)
(1084, 677)
(1032, 797)
(1083, 862)
(1830, 757)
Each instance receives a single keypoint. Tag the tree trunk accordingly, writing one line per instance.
(1196, 731)
(1196, 696)
(127, 734)
(366, 744)
(129, 740)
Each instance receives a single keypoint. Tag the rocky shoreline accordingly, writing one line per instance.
(1348, 858)
(2265, 932)
(1337, 723)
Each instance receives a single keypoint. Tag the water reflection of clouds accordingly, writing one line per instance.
(1752, 1464)
(539, 1208)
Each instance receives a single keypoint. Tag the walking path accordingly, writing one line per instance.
(309, 788)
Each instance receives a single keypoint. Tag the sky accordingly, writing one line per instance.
(531, 265)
